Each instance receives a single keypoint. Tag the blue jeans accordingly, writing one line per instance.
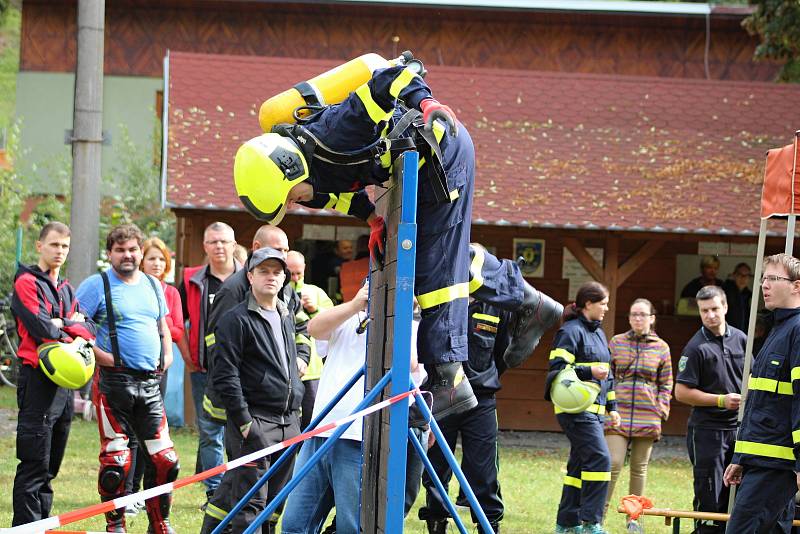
(212, 434)
(334, 481)
(414, 468)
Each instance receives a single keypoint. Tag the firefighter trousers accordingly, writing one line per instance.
(764, 502)
(710, 452)
(583, 496)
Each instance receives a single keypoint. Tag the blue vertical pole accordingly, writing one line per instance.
(401, 344)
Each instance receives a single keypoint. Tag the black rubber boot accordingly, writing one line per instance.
(115, 520)
(450, 389)
(537, 314)
(437, 526)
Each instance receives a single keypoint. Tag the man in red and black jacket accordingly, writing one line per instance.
(46, 310)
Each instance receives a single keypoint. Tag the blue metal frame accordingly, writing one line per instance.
(451, 461)
(401, 344)
(399, 434)
(312, 462)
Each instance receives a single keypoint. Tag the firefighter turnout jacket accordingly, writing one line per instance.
(769, 435)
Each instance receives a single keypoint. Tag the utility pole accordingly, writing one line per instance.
(87, 140)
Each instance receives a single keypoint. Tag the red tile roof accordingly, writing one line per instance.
(563, 150)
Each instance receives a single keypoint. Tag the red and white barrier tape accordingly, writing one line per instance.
(66, 518)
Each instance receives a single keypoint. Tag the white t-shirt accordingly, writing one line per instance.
(347, 352)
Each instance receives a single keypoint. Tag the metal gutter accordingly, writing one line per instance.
(586, 6)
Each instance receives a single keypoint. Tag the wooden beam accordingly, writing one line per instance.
(638, 259)
(583, 256)
(611, 280)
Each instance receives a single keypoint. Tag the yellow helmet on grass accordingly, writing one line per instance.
(69, 365)
(264, 171)
(570, 393)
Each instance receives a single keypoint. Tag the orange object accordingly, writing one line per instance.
(351, 277)
(634, 505)
(330, 87)
(781, 192)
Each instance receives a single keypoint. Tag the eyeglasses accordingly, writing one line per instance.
(640, 315)
(222, 242)
(771, 278)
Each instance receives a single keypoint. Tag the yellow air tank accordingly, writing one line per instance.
(328, 88)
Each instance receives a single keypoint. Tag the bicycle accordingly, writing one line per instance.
(9, 362)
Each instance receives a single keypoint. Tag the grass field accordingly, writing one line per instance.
(530, 478)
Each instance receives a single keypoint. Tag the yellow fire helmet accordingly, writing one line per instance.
(69, 365)
(571, 394)
(265, 169)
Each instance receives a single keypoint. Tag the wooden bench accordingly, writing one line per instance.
(673, 517)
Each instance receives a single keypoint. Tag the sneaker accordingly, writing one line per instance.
(535, 316)
(578, 529)
(88, 412)
(450, 389)
(593, 528)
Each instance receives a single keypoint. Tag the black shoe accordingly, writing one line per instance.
(450, 389)
(537, 314)
(495, 528)
(437, 526)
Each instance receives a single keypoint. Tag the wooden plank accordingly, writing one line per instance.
(639, 258)
(526, 415)
(611, 257)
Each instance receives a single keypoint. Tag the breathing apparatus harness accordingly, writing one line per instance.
(422, 139)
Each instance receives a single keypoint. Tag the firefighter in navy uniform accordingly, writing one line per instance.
(488, 340)
(347, 146)
(710, 380)
(765, 460)
(580, 347)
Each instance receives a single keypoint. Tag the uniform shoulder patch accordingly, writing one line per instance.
(682, 363)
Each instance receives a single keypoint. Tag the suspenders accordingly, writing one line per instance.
(112, 323)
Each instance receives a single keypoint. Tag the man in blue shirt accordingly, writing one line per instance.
(132, 350)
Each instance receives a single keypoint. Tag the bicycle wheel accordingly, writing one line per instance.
(9, 363)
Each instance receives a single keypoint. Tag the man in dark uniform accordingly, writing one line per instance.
(765, 461)
(348, 146)
(710, 380)
(488, 339)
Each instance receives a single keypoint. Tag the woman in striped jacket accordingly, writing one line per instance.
(643, 374)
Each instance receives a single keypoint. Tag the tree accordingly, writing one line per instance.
(777, 23)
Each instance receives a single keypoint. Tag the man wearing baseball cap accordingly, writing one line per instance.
(258, 384)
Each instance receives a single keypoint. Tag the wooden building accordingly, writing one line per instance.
(644, 169)
(633, 130)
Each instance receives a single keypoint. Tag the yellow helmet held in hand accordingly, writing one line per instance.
(69, 365)
(570, 393)
(265, 170)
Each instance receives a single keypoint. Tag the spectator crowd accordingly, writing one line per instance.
(267, 350)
